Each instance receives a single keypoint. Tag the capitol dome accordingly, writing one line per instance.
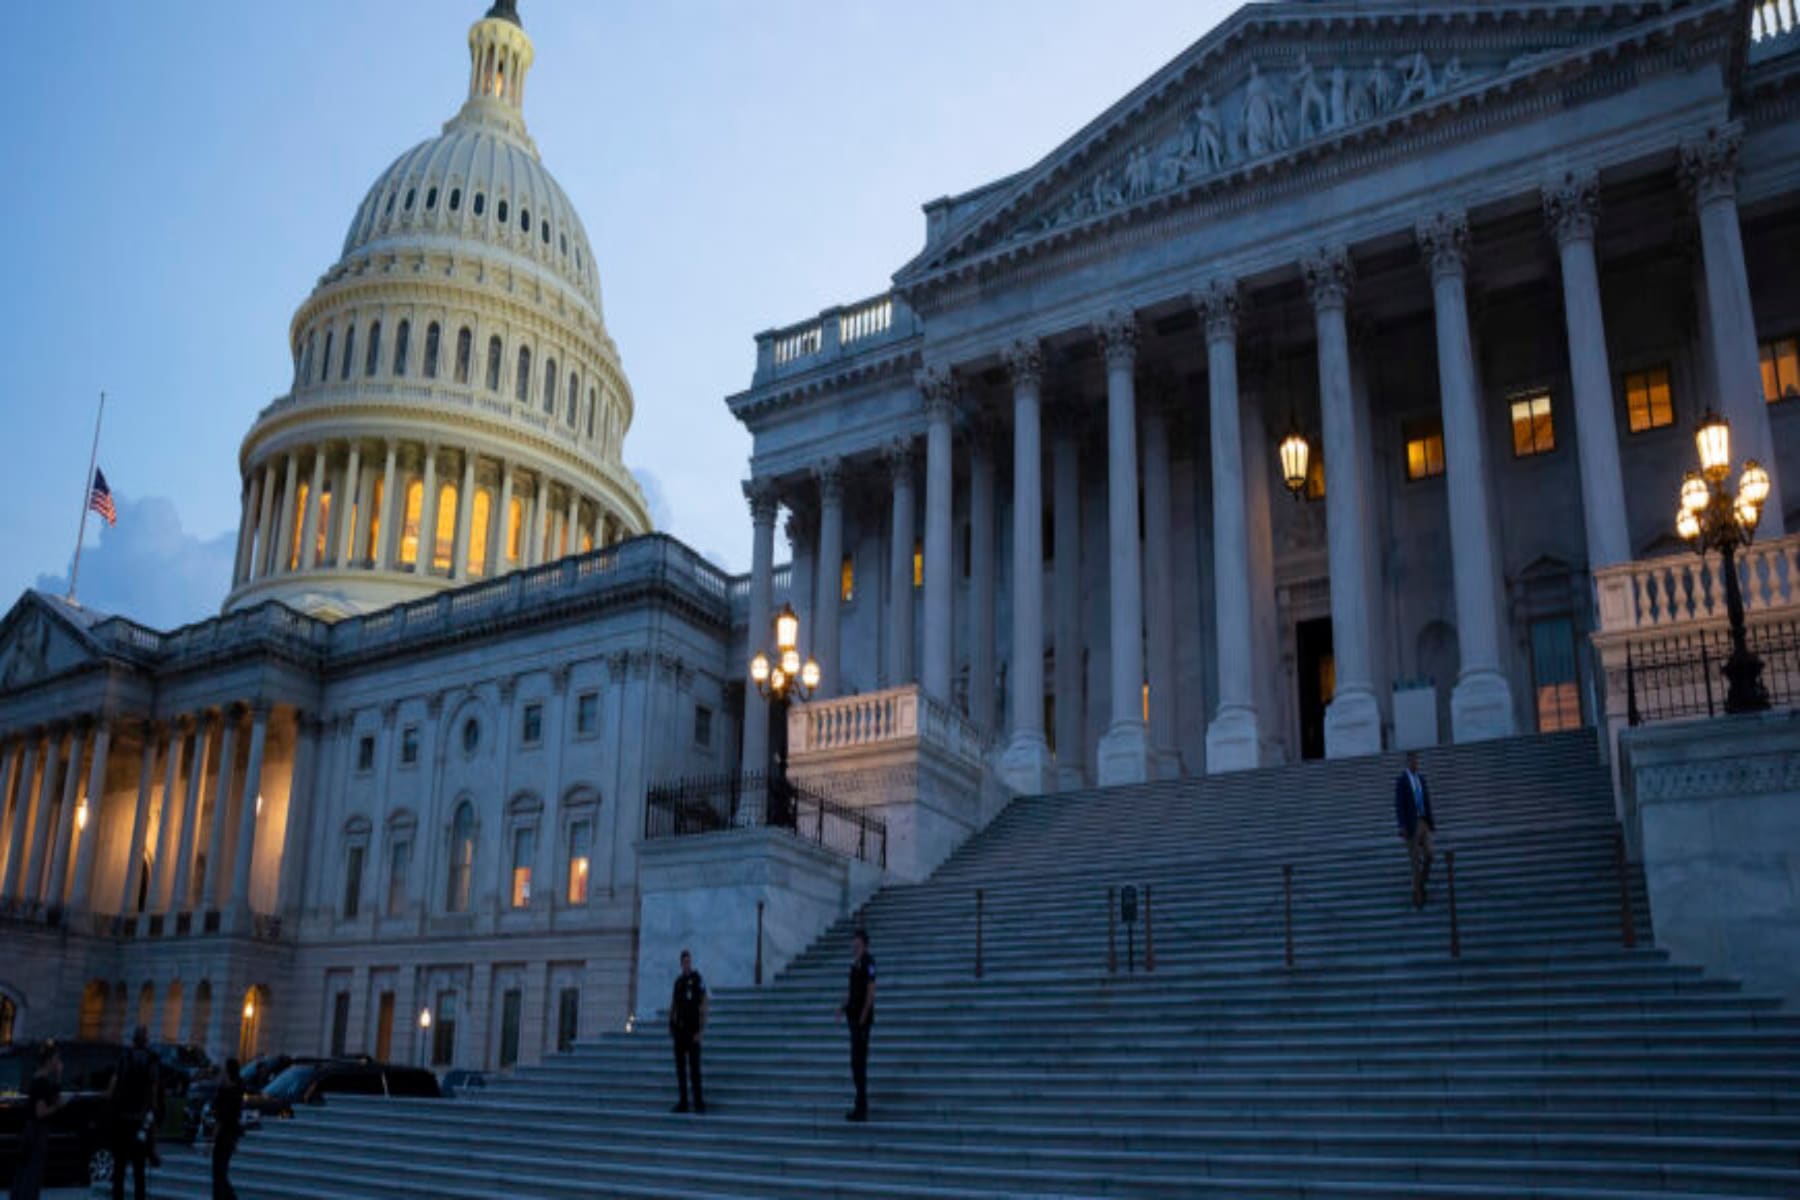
(458, 409)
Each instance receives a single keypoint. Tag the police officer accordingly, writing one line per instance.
(687, 1022)
(859, 1010)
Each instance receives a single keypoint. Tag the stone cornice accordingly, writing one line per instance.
(895, 360)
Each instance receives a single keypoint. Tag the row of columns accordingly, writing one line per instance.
(1141, 602)
(41, 835)
(272, 508)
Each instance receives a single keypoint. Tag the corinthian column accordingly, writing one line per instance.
(1159, 594)
(1571, 206)
(140, 823)
(1353, 719)
(347, 516)
(86, 835)
(168, 823)
(247, 815)
(1025, 763)
(262, 543)
(761, 494)
(181, 894)
(1065, 525)
(1709, 165)
(900, 561)
(938, 391)
(12, 883)
(309, 528)
(981, 579)
(1124, 755)
(284, 537)
(224, 787)
(1481, 703)
(61, 840)
(830, 474)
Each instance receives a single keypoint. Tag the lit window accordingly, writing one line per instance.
(531, 728)
(524, 846)
(409, 529)
(515, 529)
(918, 563)
(1532, 430)
(1146, 702)
(1554, 674)
(1425, 453)
(323, 525)
(478, 532)
(587, 712)
(1315, 478)
(299, 516)
(374, 519)
(847, 579)
(445, 542)
(409, 745)
(1647, 402)
(581, 837)
(1781, 369)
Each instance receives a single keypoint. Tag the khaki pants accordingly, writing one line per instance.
(1419, 851)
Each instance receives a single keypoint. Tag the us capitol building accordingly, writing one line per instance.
(1329, 393)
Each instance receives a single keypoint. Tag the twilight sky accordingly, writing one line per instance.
(183, 172)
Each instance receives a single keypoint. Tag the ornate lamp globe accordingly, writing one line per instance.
(1748, 512)
(787, 629)
(778, 680)
(759, 668)
(1296, 456)
(1754, 483)
(1694, 493)
(1687, 524)
(809, 675)
(790, 662)
(1713, 439)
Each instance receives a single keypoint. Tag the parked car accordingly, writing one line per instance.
(256, 1074)
(181, 1065)
(312, 1082)
(80, 1149)
(462, 1082)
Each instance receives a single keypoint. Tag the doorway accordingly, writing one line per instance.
(1317, 682)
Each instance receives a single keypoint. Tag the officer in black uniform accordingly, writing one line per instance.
(859, 1010)
(687, 1022)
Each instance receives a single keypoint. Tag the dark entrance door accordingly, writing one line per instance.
(1317, 681)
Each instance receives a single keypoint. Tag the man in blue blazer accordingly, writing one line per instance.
(1412, 813)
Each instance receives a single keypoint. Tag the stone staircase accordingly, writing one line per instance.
(1545, 1061)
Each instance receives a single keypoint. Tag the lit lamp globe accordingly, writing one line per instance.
(1694, 493)
(1748, 513)
(1713, 439)
(1687, 523)
(759, 669)
(424, 1018)
(249, 1009)
(777, 679)
(1295, 456)
(790, 662)
(1753, 484)
(809, 675)
(787, 629)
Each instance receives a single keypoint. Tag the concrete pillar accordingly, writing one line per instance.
(140, 823)
(261, 544)
(12, 885)
(284, 535)
(180, 896)
(428, 504)
(1353, 718)
(1571, 207)
(224, 788)
(1481, 702)
(169, 823)
(1124, 754)
(760, 630)
(830, 475)
(61, 839)
(981, 581)
(247, 815)
(499, 542)
(1709, 165)
(1071, 717)
(938, 390)
(309, 528)
(385, 537)
(1159, 595)
(465, 515)
(1025, 762)
(348, 507)
(904, 520)
(297, 847)
(86, 836)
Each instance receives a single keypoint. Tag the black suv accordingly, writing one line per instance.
(312, 1082)
(80, 1133)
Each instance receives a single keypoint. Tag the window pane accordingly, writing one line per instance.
(524, 843)
(1532, 432)
(1554, 671)
(581, 836)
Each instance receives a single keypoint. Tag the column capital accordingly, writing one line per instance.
(1024, 359)
(1444, 239)
(1329, 273)
(1117, 331)
(509, 687)
(764, 499)
(829, 472)
(234, 712)
(899, 456)
(801, 523)
(937, 391)
(1709, 163)
(1572, 206)
(1218, 303)
(259, 707)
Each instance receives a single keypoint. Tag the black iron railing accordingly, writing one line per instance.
(1681, 676)
(751, 800)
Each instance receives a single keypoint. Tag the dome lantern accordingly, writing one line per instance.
(500, 54)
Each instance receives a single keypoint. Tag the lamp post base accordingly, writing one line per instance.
(1744, 691)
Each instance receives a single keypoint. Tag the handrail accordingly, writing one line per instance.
(697, 805)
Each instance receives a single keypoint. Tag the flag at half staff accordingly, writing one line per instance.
(100, 498)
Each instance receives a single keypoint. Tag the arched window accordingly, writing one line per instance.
(455, 199)
(544, 229)
(306, 359)
(431, 350)
(349, 352)
(431, 198)
(480, 512)
(9, 1018)
(522, 386)
(515, 530)
(525, 219)
(480, 203)
(325, 363)
(93, 1012)
(500, 212)
(402, 343)
(462, 858)
(574, 396)
(410, 193)
(409, 528)
(550, 385)
(493, 366)
(563, 241)
(464, 351)
(593, 403)
(373, 359)
(388, 209)
(171, 1031)
(444, 544)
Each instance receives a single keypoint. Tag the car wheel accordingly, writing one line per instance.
(100, 1166)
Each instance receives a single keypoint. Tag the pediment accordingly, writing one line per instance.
(1280, 85)
(38, 642)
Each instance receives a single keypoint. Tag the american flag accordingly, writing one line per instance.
(100, 498)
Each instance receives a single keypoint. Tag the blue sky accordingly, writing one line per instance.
(183, 172)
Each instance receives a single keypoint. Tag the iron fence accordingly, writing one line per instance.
(753, 800)
(1684, 676)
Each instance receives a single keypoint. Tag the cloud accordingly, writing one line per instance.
(148, 568)
(662, 517)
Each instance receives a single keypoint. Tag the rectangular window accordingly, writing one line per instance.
(340, 1022)
(918, 563)
(568, 1018)
(399, 867)
(384, 1028)
(524, 846)
(702, 725)
(1424, 452)
(353, 869)
(1315, 478)
(581, 841)
(1647, 401)
(847, 579)
(1531, 427)
(409, 745)
(1554, 674)
(531, 727)
(515, 529)
(587, 712)
(1780, 369)
(365, 753)
(511, 1001)
(443, 1030)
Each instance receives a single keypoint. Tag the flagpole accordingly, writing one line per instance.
(87, 495)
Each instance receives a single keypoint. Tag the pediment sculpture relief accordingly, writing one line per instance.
(25, 658)
(1268, 114)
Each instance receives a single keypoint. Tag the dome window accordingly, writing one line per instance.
(545, 230)
(464, 351)
(578, 258)
(522, 385)
(500, 212)
(431, 199)
(563, 238)
(591, 406)
(410, 193)
(525, 219)
(480, 203)
(493, 364)
(432, 336)
(373, 358)
(388, 209)
(455, 199)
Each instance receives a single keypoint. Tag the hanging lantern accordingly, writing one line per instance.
(1694, 493)
(787, 629)
(1713, 439)
(1296, 456)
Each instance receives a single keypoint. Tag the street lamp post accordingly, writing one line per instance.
(1711, 517)
(781, 680)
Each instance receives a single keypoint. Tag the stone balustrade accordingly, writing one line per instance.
(1771, 19)
(876, 721)
(1662, 594)
(840, 331)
